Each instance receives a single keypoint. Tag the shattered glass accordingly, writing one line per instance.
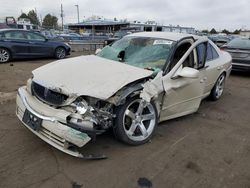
(143, 52)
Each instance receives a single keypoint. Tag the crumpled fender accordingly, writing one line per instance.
(152, 88)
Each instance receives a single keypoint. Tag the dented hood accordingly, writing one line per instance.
(88, 75)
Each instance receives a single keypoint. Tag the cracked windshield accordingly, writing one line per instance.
(143, 52)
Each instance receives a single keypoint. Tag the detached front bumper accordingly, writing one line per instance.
(53, 128)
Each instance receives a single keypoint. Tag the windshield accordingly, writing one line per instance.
(143, 52)
(240, 43)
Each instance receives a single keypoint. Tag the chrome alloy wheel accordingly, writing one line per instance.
(220, 86)
(139, 120)
(4, 56)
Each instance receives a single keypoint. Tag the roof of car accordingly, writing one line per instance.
(3, 30)
(165, 35)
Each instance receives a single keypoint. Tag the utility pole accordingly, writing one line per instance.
(41, 18)
(62, 15)
(77, 8)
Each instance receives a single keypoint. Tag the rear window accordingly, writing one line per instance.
(239, 43)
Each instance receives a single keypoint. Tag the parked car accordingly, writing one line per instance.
(118, 35)
(239, 48)
(15, 44)
(130, 86)
(219, 40)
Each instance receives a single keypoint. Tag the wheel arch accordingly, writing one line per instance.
(11, 53)
(130, 91)
(9, 50)
(60, 46)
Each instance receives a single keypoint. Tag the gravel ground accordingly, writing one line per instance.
(210, 148)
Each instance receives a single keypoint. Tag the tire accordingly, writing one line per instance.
(4, 55)
(218, 88)
(130, 126)
(60, 53)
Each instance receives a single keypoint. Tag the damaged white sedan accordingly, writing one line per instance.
(129, 86)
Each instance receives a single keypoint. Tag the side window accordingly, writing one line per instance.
(209, 52)
(180, 51)
(215, 54)
(33, 36)
(201, 54)
(14, 35)
(189, 62)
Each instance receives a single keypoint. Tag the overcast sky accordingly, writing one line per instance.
(201, 14)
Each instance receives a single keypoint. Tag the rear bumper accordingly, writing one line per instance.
(53, 129)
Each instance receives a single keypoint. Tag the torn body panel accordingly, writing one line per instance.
(152, 88)
(53, 128)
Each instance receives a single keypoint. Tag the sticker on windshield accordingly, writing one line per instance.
(167, 42)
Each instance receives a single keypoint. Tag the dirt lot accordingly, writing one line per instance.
(210, 148)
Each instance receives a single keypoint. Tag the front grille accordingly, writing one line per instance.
(48, 96)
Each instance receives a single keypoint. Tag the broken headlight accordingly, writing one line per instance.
(81, 106)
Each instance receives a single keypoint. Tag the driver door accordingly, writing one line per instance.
(183, 93)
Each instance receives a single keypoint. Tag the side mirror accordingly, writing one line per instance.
(98, 50)
(188, 72)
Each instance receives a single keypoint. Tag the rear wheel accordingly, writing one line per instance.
(60, 53)
(4, 55)
(136, 121)
(218, 88)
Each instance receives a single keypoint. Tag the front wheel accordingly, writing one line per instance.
(4, 55)
(218, 88)
(136, 121)
(60, 53)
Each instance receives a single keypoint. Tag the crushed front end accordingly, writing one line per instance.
(67, 122)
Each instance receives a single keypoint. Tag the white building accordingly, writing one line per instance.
(153, 26)
(245, 33)
(24, 23)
